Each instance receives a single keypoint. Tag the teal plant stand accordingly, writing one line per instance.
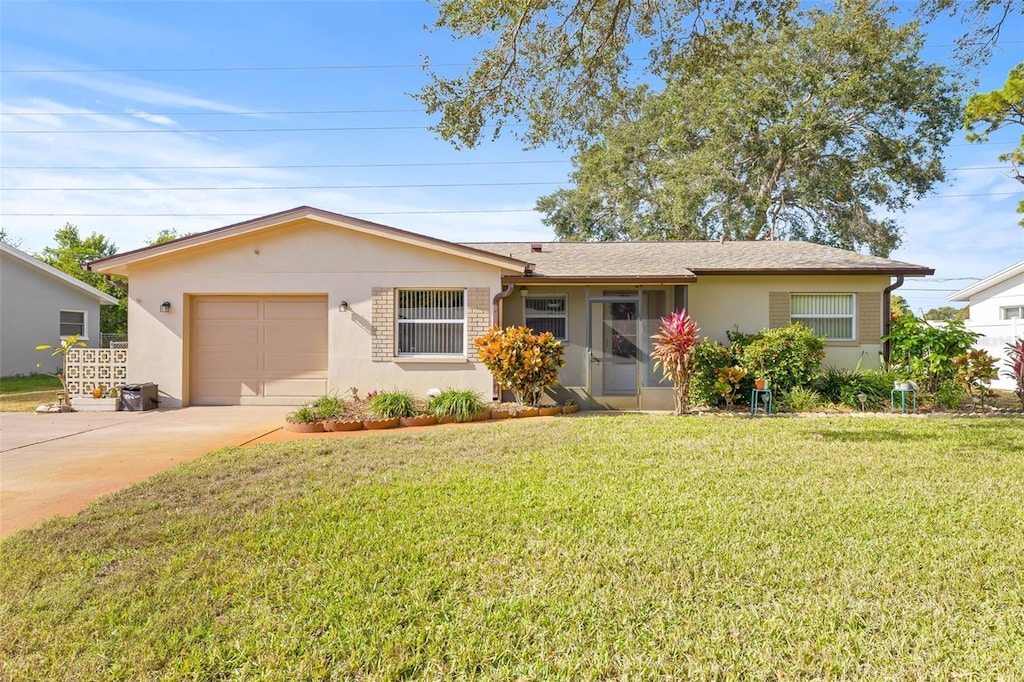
(903, 399)
(755, 395)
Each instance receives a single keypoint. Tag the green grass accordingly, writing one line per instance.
(26, 393)
(640, 547)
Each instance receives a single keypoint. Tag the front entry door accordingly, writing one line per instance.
(614, 367)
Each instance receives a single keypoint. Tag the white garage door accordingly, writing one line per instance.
(258, 350)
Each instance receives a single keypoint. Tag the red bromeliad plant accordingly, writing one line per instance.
(673, 354)
(1015, 361)
(521, 361)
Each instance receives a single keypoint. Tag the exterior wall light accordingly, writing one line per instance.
(343, 307)
(165, 307)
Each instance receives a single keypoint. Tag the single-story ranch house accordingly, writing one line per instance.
(292, 305)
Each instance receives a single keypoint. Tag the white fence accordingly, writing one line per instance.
(995, 337)
(88, 368)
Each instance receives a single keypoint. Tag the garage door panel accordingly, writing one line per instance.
(293, 362)
(232, 363)
(211, 335)
(221, 390)
(219, 309)
(301, 336)
(295, 310)
(250, 350)
(294, 388)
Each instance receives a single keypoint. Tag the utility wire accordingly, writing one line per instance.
(256, 215)
(139, 114)
(290, 166)
(288, 187)
(311, 67)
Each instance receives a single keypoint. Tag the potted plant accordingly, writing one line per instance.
(334, 414)
(303, 420)
(386, 409)
(456, 405)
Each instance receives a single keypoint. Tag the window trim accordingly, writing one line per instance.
(1003, 309)
(852, 315)
(84, 336)
(564, 315)
(407, 356)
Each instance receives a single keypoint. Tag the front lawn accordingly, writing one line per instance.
(24, 393)
(633, 546)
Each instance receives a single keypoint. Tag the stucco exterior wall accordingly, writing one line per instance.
(303, 257)
(30, 305)
(720, 302)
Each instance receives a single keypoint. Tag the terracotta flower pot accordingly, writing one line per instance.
(528, 412)
(759, 384)
(304, 427)
(550, 411)
(375, 424)
(344, 425)
(418, 420)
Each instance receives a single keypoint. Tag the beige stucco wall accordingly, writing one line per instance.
(718, 302)
(303, 257)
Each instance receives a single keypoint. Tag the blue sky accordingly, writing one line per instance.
(105, 69)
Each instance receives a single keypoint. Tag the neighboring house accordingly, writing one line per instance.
(40, 304)
(997, 312)
(283, 308)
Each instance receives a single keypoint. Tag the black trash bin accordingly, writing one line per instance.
(139, 397)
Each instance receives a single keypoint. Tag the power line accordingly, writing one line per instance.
(139, 114)
(255, 215)
(398, 186)
(309, 67)
(222, 130)
(232, 69)
(297, 166)
(288, 187)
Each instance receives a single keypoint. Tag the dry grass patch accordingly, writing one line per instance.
(630, 546)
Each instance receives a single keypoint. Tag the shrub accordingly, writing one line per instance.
(708, 357)
(949, 395)
(306, 414)
(521, 361)
(330, 407)
(462, 404)
(843, 386)
(924, 352)
(673, 354)
(975, 369)
(728, 382)
(1015, 361)
(391, 404)
(786, 357)
(801, 399)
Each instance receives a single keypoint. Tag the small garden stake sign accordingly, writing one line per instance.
(673, 354)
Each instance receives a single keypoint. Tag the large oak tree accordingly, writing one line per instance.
(806, 125)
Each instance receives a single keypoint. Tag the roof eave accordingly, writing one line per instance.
(599, 279)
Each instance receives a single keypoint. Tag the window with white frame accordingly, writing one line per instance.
(72, 323)
(547, 314)
(828, 315)
(1012, 312)
(431, 322)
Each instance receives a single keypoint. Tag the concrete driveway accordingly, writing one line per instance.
(59, 463)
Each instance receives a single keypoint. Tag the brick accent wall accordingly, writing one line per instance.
(478, 321)
(478, 317)
(778, 309)
(383, 322)
(869, 317)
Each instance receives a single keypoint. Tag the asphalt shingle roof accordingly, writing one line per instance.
(683, 260)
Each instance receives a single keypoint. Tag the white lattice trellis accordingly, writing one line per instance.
(88, 368)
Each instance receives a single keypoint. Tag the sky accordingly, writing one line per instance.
(128, 118)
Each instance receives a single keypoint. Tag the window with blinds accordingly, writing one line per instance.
(1012, 312)
(547, 314)
(431, 322)
(828, 315)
